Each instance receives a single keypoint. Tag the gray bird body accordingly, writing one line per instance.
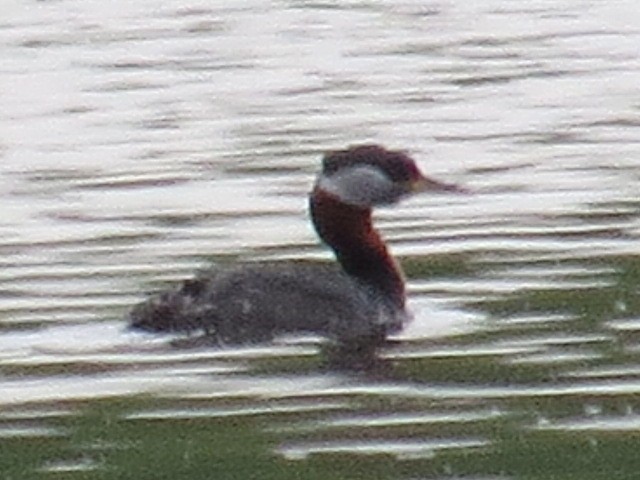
(256, 301)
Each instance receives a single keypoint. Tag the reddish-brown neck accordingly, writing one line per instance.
(349, 231)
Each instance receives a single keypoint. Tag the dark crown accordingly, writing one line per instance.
(397, 165)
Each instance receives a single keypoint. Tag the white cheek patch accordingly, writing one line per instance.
(360, 186)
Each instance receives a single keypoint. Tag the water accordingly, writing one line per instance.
(142, 141)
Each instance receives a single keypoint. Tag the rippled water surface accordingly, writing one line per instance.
(140, 141)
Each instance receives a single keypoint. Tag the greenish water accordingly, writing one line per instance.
(462, 406)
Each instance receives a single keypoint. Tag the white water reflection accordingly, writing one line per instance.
(239, 412)
(626, 423)
(402, 449)
(399, 419)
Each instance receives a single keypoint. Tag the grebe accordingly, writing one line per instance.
(360, 300)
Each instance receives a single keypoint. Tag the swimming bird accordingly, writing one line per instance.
(360, 298)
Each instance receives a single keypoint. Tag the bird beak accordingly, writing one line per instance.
(426, 184)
